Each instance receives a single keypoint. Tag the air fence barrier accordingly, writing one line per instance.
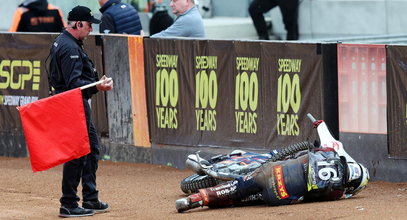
(173, 97)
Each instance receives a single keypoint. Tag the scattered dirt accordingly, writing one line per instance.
(145, 191)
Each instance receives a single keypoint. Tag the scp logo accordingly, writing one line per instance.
(18, 74)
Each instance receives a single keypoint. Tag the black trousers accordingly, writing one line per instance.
(289, 11)
(83, 168)
(279, 183)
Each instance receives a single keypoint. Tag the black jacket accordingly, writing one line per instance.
(37, 16)
(160, 21)
(70, 67)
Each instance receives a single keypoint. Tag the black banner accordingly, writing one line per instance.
(397, 100)
(24, 79)
(237, 94)
(293, 89)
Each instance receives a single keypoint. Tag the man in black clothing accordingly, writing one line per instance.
(289, 11)
(37, 16)
(70, 67)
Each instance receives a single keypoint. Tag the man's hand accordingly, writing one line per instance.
(106, 85)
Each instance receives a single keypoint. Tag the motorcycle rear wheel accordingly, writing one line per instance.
(193, 183)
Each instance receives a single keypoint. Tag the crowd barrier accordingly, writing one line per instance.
(127, 110)
(237, 94)
(24, 79)
(180, 95)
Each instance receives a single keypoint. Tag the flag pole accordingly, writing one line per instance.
(84, 87)
(93, 84)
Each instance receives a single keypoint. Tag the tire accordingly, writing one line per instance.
(291, 150)
(193, 183)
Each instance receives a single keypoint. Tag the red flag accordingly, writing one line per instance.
(55, 129)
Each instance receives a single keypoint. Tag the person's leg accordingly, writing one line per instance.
(256, 10)
(241, 191)
(289, 11)
(89, 190)
(90, 193)
(221, 195)
(71, 175)
(279, 183)
(283, 182)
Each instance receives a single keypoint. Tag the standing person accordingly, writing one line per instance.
(70, 67)
(188, 22)
(37, 16)
(289, 11)
(118, 17)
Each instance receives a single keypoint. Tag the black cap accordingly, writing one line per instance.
(82, 13)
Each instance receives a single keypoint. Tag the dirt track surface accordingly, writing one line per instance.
(145, 191)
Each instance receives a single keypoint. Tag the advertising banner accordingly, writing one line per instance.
(293, 88)
(362, 88)
(397, 101)
(24, 78)
(212, 93)
(226, 93)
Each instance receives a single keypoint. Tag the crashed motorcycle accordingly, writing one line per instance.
(222, 168)
(226, 167)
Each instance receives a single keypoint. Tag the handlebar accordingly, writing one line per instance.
(313, 120)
